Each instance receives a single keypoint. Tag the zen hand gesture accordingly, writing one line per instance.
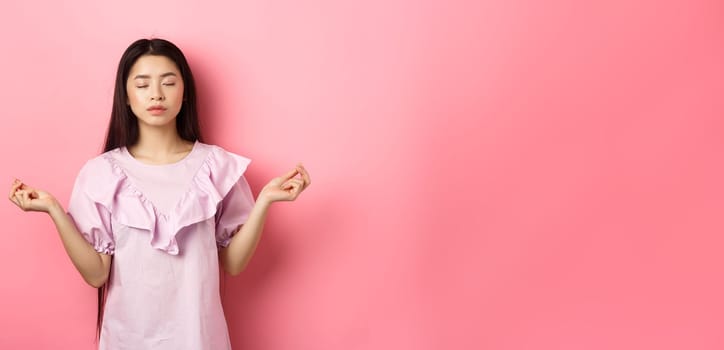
(31, 199)
(286, 187)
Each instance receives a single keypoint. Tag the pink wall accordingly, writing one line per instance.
(487, 174)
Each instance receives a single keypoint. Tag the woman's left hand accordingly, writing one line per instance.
(286, 187)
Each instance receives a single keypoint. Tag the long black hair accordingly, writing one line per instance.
(123, 126)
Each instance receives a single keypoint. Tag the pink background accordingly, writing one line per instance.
(487, 174)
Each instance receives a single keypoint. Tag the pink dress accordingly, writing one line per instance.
(163, 225)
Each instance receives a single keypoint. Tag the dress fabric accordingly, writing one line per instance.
(163, 224)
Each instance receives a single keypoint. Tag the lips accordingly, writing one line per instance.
(156, 110)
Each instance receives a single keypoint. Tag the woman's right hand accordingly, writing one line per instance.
(31, 199)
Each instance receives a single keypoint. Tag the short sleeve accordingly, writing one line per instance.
(92, 218)
(233, 211)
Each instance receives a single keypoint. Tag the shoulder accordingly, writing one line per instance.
(99, 165)
(99, 175)
(223, 168)
(220, 158)
(216, 149)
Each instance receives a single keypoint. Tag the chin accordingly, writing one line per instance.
(157, 121)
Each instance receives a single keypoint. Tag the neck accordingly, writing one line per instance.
(159, 143)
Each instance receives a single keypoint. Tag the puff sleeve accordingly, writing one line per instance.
(233, 211)
(91, 217)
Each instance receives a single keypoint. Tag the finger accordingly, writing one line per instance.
(19, 196)
(14, 187)
(290, 174)
(300, 182)
(291, 182)
(305, 175)
(15, 201)
(296, 190)
(28, 199)
(293, 188)
(25, 195)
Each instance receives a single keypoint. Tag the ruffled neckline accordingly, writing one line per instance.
(216, 175)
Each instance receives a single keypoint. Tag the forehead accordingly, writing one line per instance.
(153, 65)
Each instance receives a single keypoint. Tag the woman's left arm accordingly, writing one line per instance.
(237, 254)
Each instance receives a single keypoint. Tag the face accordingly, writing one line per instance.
(155, 90)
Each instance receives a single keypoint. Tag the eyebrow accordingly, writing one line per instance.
(143, 76)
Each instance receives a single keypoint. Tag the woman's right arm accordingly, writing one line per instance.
(93, 266)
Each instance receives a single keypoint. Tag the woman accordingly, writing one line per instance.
(150, 218)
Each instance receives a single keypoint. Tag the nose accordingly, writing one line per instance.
(157, 94)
